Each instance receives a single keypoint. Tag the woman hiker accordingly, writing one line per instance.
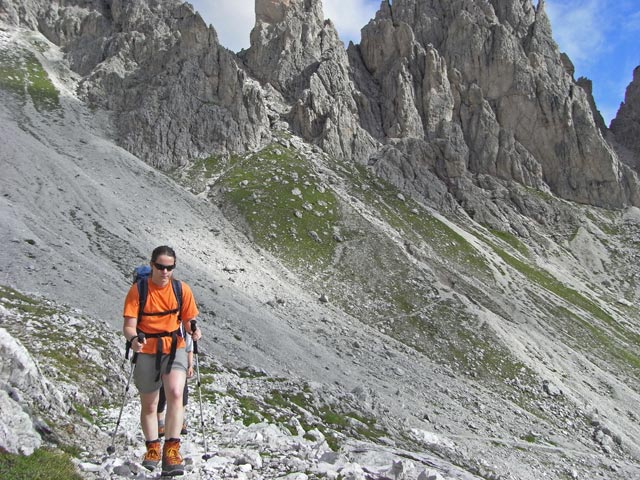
(162, 359)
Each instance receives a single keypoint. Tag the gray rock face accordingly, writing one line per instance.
(17, 432)
(177, 93)
(493, 70)
(289, 38)
(299, 53)
(436, 96)
(587, 86)
(626, 125)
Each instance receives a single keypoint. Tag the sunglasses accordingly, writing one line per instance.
(161, 267)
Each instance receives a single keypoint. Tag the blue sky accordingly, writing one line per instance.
(602, 37)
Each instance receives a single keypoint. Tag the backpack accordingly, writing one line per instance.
(141, 276)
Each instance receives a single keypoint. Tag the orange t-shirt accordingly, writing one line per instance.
(160, 299)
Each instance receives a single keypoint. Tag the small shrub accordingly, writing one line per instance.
(43, 464)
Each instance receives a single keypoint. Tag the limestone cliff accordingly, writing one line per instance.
(488, 77)
(176, 92)
(436, 95)
(626, 125)
(300, 54)
(447, 100)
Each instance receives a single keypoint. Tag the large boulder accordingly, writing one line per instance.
(23, 390)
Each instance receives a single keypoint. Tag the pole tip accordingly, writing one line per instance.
(111, 450)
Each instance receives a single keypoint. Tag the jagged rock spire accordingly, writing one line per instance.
(289, 37)
(626, 125)
(298, 52)
(514, 110)
(453, 90)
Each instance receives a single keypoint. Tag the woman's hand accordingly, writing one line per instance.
(196, 334)
(136, 344)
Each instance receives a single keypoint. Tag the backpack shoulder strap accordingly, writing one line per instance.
(143, 288)
(177, 291)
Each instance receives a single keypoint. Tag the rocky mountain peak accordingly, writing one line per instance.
(453, 90)
(487, 76)
(626, 125)
(289, 38)
(276, 11)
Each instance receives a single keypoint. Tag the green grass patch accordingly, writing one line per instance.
(12, 299)
(592, 339)
(12, 74)
(548, 282)
(43, 464)
(333, 418)
(287, 211)
(286, 400)
(511, 240)
(22, 74)
(248, 372)
(196, 175)
(252, 410)
(415, 222)
(84, 412)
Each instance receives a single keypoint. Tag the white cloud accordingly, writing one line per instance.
(579, 28)
(233, 20)
(349, 16)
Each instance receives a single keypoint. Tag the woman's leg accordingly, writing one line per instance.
(173, 389)
(148, 415)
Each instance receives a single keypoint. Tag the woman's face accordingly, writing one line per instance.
(160, 274)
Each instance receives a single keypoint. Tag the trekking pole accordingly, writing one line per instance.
(111, 449)
(206, 455)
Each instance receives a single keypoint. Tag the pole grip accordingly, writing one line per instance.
(194, 327)
(141, 337)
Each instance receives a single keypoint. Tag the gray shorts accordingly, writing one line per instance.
(145, 373)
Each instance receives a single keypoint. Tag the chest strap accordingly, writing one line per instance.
(157, 314)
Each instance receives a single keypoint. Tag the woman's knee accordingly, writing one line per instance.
(149, 403)
(173, 391)
(173, 394)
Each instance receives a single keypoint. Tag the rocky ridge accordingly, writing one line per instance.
(396, 100)
(442, 322)
(177, 92)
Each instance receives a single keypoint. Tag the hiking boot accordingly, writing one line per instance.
(172, 464)
(160, 429)
(152, 457)
(183, 431)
